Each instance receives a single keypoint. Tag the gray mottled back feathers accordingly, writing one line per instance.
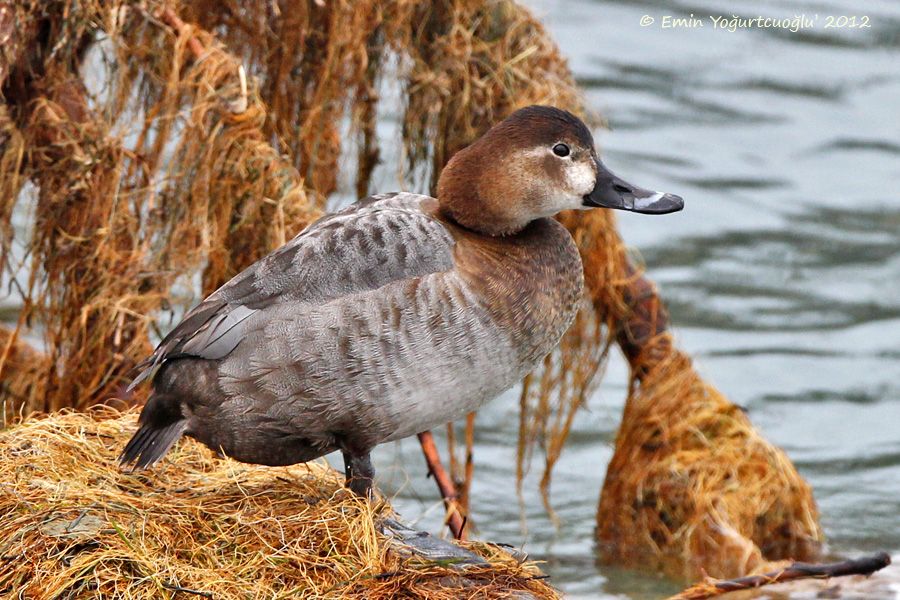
(370, 243)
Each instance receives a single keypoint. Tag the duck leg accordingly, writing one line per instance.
(348, 472)
(359, 473)
(455, 519)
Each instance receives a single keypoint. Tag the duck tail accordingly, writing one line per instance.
(161, 425)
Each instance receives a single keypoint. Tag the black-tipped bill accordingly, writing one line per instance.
(610, 191)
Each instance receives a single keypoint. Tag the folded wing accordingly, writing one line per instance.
(369, 244)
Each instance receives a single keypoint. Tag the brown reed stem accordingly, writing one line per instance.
(798, 570)
(445, 484)
(168, 16)
(18, 30)
(7, 41)
(640, 335)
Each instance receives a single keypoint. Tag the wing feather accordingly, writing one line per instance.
(365, 246)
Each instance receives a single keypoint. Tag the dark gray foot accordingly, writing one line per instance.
(359, 473)
(427, 546)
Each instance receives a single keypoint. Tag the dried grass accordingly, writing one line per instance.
(693, 489)
(73, 526)
(316, 64)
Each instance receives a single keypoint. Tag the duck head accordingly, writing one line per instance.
(535, 163)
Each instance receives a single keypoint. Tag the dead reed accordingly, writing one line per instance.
(694, 490)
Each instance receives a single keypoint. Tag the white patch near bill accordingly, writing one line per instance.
(580, 177)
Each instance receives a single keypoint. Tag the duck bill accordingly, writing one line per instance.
(611, 191)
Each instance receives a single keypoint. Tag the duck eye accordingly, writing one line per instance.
(561, 150)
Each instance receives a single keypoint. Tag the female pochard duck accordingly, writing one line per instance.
(390, 317)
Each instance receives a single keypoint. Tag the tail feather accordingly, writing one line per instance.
(151, 443)
(159, 430)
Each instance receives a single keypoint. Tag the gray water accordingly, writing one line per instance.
(782, 274)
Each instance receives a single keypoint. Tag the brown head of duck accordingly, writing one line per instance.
(537, 162)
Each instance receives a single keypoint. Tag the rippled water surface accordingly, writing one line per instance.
(782, 274)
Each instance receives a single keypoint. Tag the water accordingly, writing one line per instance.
(782, 274)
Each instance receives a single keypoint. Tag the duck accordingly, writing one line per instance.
(395, 315)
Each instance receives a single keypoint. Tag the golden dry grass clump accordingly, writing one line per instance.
(694, 489)
(73, 526)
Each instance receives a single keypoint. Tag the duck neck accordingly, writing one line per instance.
(488, 203)
(473, 214)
